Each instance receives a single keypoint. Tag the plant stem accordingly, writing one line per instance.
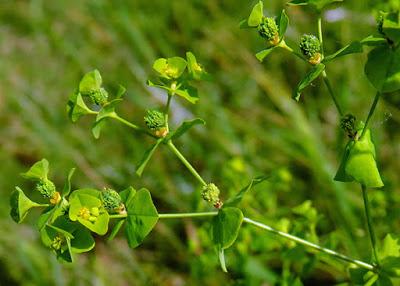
(371, 112)
(167, 110)
(332, 94)
(311, 245)
(185, 162)
(369, 222)
(284, 46)
(133, 126)
(321, 41)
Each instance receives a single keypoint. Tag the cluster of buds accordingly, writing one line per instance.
(98, 96)
(112, 201)
(311, 48)
(210, 193)
(57, 242)
(268, 29)
(347, 123)
(155, 121)
(48, 190)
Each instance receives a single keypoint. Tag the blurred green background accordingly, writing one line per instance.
(254, 128)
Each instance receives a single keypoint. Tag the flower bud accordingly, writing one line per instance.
(347, 123)
(84, 213)
(210, 193)
(269, 30)
(311, 48)
(98, 96)
(55, 198)
(112, 201)
(46, 188)
(154, 120)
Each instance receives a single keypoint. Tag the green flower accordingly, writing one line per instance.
(268, 29)
(154, 119)
(311, 48)
(210, 193)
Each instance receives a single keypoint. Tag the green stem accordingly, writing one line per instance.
(284, 46)
(369, 222)
(167, 110)
(321, 41)
(371, 112)
(311, 245)
(332, 94)
(131, 125)
(185, 162)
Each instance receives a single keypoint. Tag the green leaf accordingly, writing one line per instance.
(38, 171)
(195, 69)
(121, 91)
(358, 163)
(235, 200)
(383, 68)
(256, 15)
(67, 185)
(83, 241)
(189, 93)
(352, 48)
(90, 81)
(108, 110)
(20, 205)
(282, 22)
(171, 68)
(264, 53)
(373, 41)
(146, 157)
(317, 4)
(142, 217)
(81, 199)
(184, 127)
(76, 107)
(391, 25)
(390, 247)
(127, 195)
(226, 226)
(307, 80)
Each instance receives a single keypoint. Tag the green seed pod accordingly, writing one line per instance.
(347, 123)
(311, 48)
(112, 201)
(99, 96)
(210, 193)
(46, 188)
(154, 119)
(269, 30)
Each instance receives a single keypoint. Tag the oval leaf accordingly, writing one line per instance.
(256, 15)
(355, 47)
(185, 126)
(226, 226)
(307, 80)
(264, 53)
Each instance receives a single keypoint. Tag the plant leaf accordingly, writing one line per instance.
(307, 80)
(373, 41)
(108, 110)
(142, 217)
(76, 107)
(383, 69)
(38, 171)
(317, 4)
(189, 93)
(67, 185)
(146, 157)
(391, 25)
(256, 15)
(90, 81)
(235, 200)
(283, 22)
(20, 205)
(264, 53)
(352, 48)
(184, 127)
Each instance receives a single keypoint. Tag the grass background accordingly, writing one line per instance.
(254, 127)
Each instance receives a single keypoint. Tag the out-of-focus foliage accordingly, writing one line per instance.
(254, 128)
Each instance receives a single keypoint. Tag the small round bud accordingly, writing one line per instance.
(210, 193)
(98, 96)
(311, 48)
(112, 201)
(46, 188)
(154, 119)
(269, 30)
(347, 123)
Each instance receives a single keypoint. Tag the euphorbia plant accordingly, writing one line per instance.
(71, 216)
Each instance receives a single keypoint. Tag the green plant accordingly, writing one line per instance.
(61, 225)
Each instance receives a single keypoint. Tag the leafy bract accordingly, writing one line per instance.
(171, 68)
(76, 107)
(352, 48)
(90, 81)
(264, 53)
(38, 171)
(383, 68)
(184, 127)
(236, 199)
(147, 156)
(391, 25)
(256, 15)
(142, 217)
(307, 80)
(358, 163)
(225, 229)
(317, 4)
(20, 205)
(107, 111)
(282, 22)
(87, 199)
(195, 69)
(186, 91)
